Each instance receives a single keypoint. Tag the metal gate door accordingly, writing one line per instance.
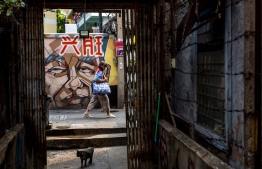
(140, 85)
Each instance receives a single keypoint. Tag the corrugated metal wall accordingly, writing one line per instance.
(32, 66)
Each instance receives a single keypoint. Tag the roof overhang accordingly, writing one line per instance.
(92, 5)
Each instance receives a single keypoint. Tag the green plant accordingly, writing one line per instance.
(9, 6)
(60, 21)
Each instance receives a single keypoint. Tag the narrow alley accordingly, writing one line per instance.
(185, 81)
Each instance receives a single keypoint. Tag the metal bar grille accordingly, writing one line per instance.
(211, 91)
(139, 87)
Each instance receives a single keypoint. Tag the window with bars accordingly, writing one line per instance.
(210, 76)
(211, 91)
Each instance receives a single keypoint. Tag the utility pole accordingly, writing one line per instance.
(120, 62)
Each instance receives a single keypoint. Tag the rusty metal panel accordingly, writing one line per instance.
(140, 92)
(32, 65)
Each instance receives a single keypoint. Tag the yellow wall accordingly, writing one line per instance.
(109, 56)
(69, 14)
(50, 24)
(50, 28)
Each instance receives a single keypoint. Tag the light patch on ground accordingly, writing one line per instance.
(60, 159)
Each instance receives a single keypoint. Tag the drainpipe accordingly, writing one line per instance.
(258, 80)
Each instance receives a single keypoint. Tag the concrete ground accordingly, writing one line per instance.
(103, 158)
(73, 118)
(114, 157)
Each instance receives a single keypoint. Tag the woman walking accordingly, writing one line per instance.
(103, 98)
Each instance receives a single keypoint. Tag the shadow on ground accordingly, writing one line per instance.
(103, 158)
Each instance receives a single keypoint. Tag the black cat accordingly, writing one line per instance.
(85, 154)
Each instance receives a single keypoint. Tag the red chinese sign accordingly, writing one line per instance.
(91, 46)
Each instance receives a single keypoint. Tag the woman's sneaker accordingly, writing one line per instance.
(87, 114)
(110, 115)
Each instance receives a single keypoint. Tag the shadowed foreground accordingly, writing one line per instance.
(103, 158)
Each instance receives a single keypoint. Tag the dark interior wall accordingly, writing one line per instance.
(9, 73)
(5, 47)
(11, 129)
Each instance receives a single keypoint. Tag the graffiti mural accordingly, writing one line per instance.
(70, 64)
(163, 151)
(173, 155)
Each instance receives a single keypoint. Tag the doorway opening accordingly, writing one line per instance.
(71, 62)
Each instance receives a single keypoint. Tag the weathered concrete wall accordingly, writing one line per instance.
(243, 89)
(12, 148)
(239, 85)
(235, 20)
(185, 84)
(180, 152)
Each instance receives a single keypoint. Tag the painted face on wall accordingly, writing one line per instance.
(68, 77)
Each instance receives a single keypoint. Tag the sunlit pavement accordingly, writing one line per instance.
(73, 118)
